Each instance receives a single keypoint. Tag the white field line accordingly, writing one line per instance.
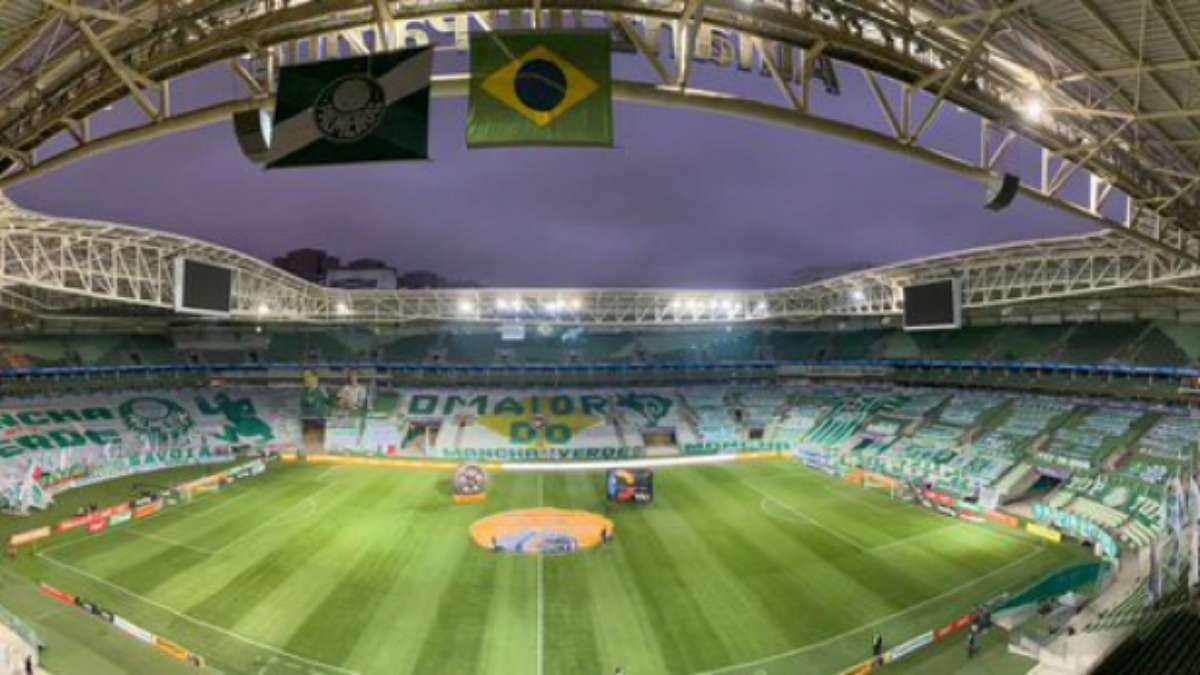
(852, 495)
(309, 500)
(192, 619)
(800, 514)
(908, 541)
(928, 601)
(165, 540)
(181, 509)
(541, 597)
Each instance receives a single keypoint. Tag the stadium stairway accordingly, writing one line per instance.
(1080, 651)
(1016, 482)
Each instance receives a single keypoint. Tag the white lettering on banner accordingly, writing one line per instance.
(49, 445)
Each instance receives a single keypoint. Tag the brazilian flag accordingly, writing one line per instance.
(540, 88)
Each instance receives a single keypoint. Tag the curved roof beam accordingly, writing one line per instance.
(971, 54)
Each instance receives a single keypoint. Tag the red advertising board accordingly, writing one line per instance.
(73, 523)
(951, 628)
(55, 594)
(939, 498)
(97, 525)
(1004, 519)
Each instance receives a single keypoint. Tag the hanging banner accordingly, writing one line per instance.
(59, 443)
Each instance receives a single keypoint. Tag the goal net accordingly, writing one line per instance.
(874, 481)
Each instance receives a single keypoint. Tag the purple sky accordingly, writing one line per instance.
(685, 200)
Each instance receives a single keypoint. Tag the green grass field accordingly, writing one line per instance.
(754, 568)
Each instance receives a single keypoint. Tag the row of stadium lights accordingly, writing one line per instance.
(555, 307)
(466, 307)
(679, 306)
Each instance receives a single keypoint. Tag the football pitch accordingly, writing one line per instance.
(749, 568)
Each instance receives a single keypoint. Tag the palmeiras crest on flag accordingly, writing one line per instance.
(342, 111)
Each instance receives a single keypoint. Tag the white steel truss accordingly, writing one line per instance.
(1111, 104)
(55, 267)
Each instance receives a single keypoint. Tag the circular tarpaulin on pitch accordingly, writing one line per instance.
(543, 531)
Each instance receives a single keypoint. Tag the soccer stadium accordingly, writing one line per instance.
(643, 446)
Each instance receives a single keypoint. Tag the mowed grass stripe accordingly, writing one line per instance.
(789, 573)
(622, 624)
(371, 552)
(925, 558)
(259, 525)
(715, 570)
(871, 516)
(294, 599)
(509, 642)
(705, 578)
(220, 520)
(789, 564)
(678, 620)
(852, 646)
(251, 572)
(570, 634)
(143, 566)
(459, 624)
(394, 642)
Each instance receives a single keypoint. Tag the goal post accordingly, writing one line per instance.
(880, 482)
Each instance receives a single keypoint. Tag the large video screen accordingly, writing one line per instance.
(632, 486)
(202, 288)
(935, 305)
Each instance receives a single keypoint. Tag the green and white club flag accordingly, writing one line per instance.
(362, 109)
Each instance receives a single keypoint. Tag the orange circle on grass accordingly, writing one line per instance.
(541, 531)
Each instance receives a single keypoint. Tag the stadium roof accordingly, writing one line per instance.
(1110, 89)
(57, 267)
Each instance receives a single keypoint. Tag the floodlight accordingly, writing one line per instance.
(1033, 109)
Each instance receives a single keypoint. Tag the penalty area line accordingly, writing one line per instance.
(804, 516)
(166, 541)
(882, 620)
(279, 518)
(192, 619)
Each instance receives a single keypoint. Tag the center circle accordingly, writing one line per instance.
(541, 531)
(540, 85)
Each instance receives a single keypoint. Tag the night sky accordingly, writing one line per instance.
(685, 200)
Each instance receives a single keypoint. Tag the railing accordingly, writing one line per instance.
(763, 366)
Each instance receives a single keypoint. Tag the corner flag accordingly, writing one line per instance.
(540, 88)
(363, 109)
